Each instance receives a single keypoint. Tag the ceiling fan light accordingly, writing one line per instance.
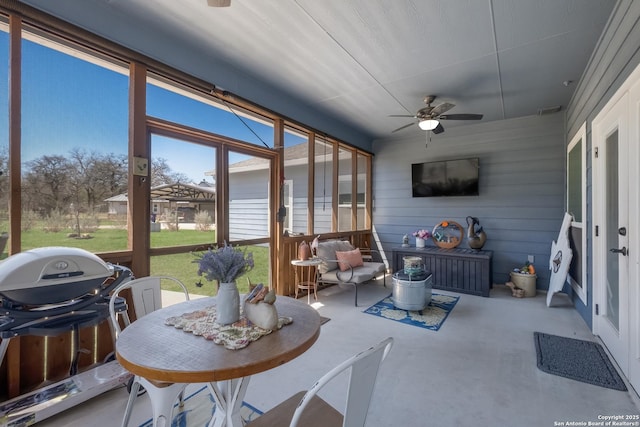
(428, 124)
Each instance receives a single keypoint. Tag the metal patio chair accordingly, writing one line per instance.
(147, 297)
(309, 410)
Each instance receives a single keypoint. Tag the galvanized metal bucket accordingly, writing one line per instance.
(412, 291)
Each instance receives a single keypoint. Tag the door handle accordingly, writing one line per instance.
(622, 251)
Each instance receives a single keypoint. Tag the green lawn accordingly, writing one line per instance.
(180, 266)
(183, 267)
(113, 239)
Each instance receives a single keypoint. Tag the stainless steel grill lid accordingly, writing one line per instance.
(51, 275)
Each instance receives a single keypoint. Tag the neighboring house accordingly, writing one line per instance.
(249, 187)
(117, 205)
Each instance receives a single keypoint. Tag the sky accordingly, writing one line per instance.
(70, 103)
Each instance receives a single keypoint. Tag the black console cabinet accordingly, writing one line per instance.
(458, 270)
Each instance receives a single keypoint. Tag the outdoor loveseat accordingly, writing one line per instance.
(344, 264)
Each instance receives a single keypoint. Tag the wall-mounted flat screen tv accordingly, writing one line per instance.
(445, 178)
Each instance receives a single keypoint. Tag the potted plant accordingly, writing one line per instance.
(225, 264)
(420, 236)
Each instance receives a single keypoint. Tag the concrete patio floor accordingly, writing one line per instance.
(479, 369)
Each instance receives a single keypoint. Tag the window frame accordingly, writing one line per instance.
(580, 139)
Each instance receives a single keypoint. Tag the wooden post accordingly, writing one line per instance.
(277, 181)
(12, 356)
(15, 135)
(139, 184)
(311, 185)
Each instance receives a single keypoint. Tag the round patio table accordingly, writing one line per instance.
(159, 352)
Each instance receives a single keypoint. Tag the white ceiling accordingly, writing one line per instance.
(359, 61)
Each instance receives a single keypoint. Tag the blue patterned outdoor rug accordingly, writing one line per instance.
(432, 317)
(199, 408)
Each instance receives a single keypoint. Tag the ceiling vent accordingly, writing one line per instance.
(549, 110)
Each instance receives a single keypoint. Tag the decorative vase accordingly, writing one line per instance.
(304, 252)
(419, 242)
(476, 237)
(227, 304)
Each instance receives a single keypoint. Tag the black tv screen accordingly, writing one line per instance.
(445, 178)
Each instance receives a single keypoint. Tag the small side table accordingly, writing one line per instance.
(306, 276)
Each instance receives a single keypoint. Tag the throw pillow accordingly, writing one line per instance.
(327, 252)
(349, 258)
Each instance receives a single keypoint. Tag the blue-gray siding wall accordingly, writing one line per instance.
(615, 57)
(522, 180)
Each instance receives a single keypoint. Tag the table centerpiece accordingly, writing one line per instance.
(225, 264)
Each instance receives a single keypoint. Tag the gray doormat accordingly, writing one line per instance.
(579, 360)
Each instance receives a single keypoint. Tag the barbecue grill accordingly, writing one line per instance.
(46, 292)
(51, 290)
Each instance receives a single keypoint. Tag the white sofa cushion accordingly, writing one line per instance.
(364, 273)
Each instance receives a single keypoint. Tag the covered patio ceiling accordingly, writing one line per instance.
(346, 66)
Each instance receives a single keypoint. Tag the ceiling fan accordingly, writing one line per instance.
(429, 117)
(219, 3)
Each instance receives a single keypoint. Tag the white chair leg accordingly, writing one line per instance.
(133, 393)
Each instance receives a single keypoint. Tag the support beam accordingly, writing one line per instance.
(139, 185)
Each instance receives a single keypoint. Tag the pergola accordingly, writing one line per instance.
(183, 192)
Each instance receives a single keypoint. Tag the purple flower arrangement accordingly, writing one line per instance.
(422, 234)
(224, 264)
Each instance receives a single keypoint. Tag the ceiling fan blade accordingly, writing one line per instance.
(219, 3)
(461, 117)
(441, 108)
(402, 127)
(401, 115)
(438, 129)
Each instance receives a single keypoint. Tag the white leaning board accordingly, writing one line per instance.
(560, 259)
(45, 402)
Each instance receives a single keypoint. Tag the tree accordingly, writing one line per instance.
(47, 184)
(97, 177)
(161, 173)
(82, 178)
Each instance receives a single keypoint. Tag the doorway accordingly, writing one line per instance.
(615, 229)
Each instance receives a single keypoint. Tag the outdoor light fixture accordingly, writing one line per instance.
(428, 124)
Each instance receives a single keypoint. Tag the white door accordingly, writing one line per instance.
(634, 233)
(615, 235)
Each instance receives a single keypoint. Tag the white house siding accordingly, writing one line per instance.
(322, 215)
(249, 205)
(323, 198)
(521, 201)
(298, 211)
(615, 57)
